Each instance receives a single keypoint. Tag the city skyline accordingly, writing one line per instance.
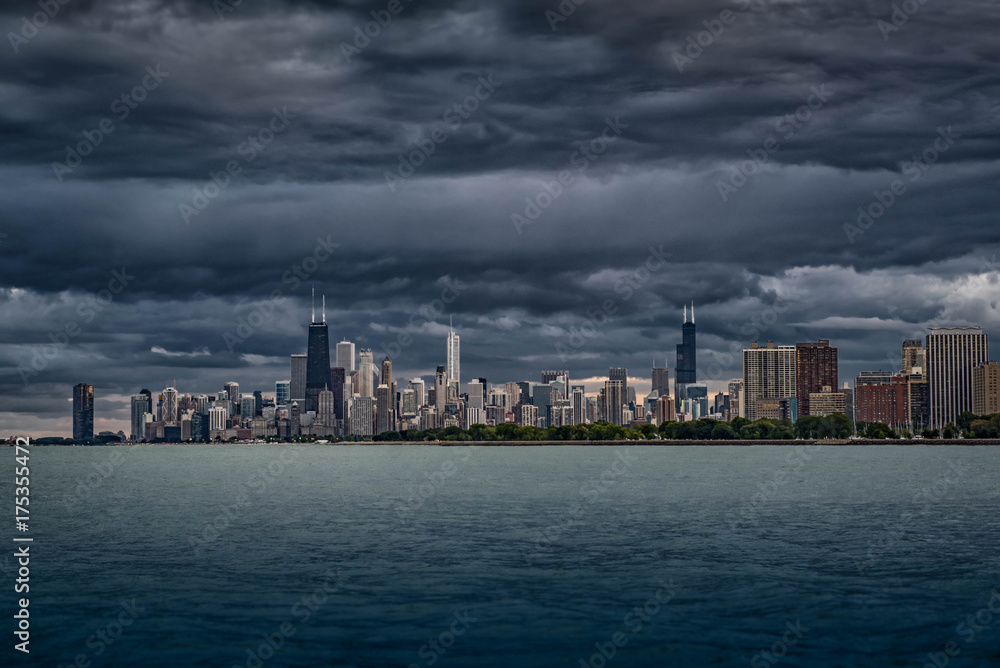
(807, 370)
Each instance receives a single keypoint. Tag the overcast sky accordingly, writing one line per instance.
(684, 92)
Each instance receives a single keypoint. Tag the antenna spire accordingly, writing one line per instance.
(692, 312)
(324, 309)
(685, 314)
(313, 320)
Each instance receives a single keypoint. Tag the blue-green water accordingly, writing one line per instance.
(511, 556)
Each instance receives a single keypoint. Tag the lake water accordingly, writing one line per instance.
(512, 556)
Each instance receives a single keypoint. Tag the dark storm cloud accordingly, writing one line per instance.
(777, 239)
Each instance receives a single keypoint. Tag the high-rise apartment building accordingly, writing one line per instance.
(827, 402)
(83, 412)
(815, 368)
(170, 414)
(985, 397)
(736, 399)
(952, 354)
(768, 373)
(579, 406)
(883, 402)
(362, 416)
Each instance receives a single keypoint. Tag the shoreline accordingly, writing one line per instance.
(649, 443)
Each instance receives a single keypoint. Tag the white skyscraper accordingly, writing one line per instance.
(951, 355)
(345, 356)
(366, 373)
(475, 395)
(454, 366)
(362, 415)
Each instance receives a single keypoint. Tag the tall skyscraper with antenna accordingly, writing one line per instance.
(318, 358)
(454, 364)
(686, 369)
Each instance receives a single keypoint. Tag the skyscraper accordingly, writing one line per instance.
(913, 356)
(440, 390)
(318, 360)
(345, 356)
(83, 412)
(686, 368)
(282, 392)
(579, 406)
(476, 398)
(297, 385)
(366, 374)
(661, 379)
(550, 376)
(454, 362)
(232, 392)
(620, 374)
(815, 368)
(383, 409)
(952, 354)
(338, 378)
(170, 404)
(417, 385)
(386, 375)
(614, 398)
(768, 373)
(140, 407)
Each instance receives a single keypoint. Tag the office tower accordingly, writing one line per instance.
(827, 402)
(913, 356)
(409, 403)
(523, 393)
(768, 373)
(248, 406)
(541, 396)
(440, 390)
(318, 360)
(170, 414)
(952, 354)
(345, 356)
(736, 407)
(338, 378)
(454, 362)
(362, 415)
(985, 400)
(620, 374)
(366, 374)
(418, 387)
(140, 407)
(665, 411)
(386, 375)
(297, 386)
(327, 414)
(886, 402)
(661, 380)
(476, 398)
(233, 394)
(282, 392)
(613, 401)
(482, 382)
(686, 368)
(383, 409)
(258, 402)
(217, 418)
(815, 368)
(295, 418)
(553, 376)
(579, 406)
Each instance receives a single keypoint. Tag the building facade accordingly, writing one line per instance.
(768, 373)
(952, 354)
(815, 368)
